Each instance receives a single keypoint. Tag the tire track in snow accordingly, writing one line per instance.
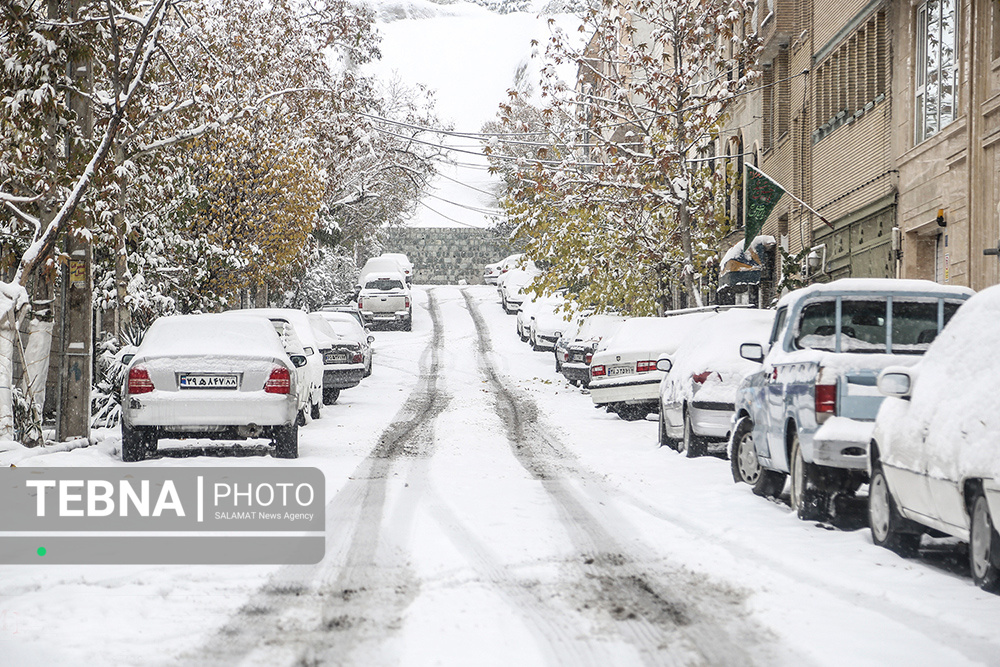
(667, 621)
(319, 614)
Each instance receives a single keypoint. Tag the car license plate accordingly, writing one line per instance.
(334, 358)
(621, 370)
(205, 381)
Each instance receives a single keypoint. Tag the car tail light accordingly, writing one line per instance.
(279, 382)
(138, 381)
(357, 358)
(826, 399)
(407, 304)
(359, 303)
(588, 358)
(645, 366)
(700, 378)
(596, 371)
(565, 356)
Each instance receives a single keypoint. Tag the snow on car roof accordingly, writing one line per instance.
(878, 285)
(299, 320)
(228, 334)
(715, 343)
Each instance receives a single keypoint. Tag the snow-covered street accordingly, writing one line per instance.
(481, 511)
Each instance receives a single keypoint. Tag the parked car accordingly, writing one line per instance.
(524, 314)
(513, 284)
(548, 322)
(623, 374)
(491, 272)
(385, 299)
(698, 392)
(346, 308)
(294, 328)
(221, 376)
(346, 326)
(344, 359)
(514, 261)
(933, 456)
(809, 411)
(578, 353)
(404, 263)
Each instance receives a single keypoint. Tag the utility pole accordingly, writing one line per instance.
(77, 312)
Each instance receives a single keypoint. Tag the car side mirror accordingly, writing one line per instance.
(895, 382)
(752, 352)
(127, 358)
(298, 360)
(664, 364)
(371, 339)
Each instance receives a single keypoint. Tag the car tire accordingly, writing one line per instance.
(692, 445)
(889, 528)
(534, 341)
(409, 323)
(558, 365)
(743, 459)
(301, 419)
(330, 396)
(982, 540)
(286, 442)
(368, 371)
(135, 443)
(807, 499)
(632, 413)
(664, 440)
(315, 411)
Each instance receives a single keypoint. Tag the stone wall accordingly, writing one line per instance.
(446, 255)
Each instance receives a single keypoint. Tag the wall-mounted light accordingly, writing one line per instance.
(940, 218)
(816, 259)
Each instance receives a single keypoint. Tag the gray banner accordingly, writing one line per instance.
(177, 550)
(125, 499)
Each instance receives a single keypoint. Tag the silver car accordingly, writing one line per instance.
(223, 376)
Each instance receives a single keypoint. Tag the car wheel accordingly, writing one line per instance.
(301, 419)
(286, 442)
(330, 396)
(982, 537)
(315, 411)
(534, 341)
(409, 323)
(889, 529)
(558, 365)
(664, 440)
(808, 501)
(368, 371)
(693, 445)
(632, 413)
(135, 443)
(743, 458)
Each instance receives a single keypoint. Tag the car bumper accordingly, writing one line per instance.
(842, 442)
(635, 389)
(574, 371)
(374, 316)
(207, 408)
(545, 342)
(490, 280)
(343, 378)
(711, 420)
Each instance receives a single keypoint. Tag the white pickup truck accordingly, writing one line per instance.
(809, 412)
(385, 299)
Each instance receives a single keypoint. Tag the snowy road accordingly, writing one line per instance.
(481, 512)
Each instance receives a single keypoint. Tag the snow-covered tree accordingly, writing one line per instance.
(634, 195)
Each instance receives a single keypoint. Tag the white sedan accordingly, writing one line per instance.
(933, 459)
(623, 373)
(221, 376)
(698, 393)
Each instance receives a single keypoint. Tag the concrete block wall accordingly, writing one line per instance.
(446, 255)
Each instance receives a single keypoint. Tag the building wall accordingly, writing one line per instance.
(956, 170)
(447, 255)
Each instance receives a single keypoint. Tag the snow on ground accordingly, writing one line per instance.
(469, 549)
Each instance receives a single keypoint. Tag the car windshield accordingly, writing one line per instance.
(384, 284)
(864, 325)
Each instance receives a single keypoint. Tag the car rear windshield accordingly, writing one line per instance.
(384, 285)
(864, 324)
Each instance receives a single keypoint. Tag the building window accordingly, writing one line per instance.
(936, 75)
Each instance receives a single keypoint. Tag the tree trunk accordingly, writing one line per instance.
(10, 303)
(123, 316)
